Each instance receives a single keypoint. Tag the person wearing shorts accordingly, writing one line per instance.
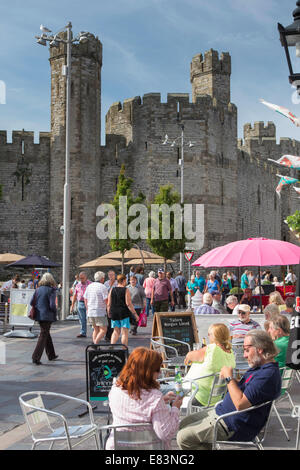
(119, 306)
(95, 298)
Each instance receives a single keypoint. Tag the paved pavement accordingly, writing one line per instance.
(67, 375)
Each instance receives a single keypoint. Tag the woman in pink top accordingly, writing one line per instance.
(136, 398)
(148, 284)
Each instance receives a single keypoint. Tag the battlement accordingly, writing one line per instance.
(23, 136)
(92, 49)
(176, 103)
(211, 63)
(259, 130)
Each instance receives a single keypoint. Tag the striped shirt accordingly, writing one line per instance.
(151, 408)
(237, 327)
(80, 290)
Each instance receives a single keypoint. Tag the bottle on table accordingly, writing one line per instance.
(178, 382)
(203, 342)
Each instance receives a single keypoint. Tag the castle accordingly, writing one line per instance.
(232, 178)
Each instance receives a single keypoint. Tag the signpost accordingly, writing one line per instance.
(188, 256)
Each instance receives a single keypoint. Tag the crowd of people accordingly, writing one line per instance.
(113, 307)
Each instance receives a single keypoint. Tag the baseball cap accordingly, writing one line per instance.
(160, 270)
(244, 308)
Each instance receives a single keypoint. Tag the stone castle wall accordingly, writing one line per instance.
(233, 179)
(24, 208)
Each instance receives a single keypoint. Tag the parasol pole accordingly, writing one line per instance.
(260, 294)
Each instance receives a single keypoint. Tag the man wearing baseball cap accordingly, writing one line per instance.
(240, 327)
(160, 293)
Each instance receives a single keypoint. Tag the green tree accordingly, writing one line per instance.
(122, 241)
(294, 222)
(166, 232)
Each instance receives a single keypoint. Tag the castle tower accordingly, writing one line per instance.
(85, 127)
(211, 76)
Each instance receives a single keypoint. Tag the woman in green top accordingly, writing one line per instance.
(279, 330)
(210, 360)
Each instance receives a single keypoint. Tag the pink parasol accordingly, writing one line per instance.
(251, 252)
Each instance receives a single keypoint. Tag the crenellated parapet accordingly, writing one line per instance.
(22, 144)
(210, 74)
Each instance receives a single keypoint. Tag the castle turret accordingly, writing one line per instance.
(85, 129)
(211, 76)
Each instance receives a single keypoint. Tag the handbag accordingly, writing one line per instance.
(32, 311)
(143, 319)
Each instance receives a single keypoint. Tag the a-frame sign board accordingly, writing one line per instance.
(181, 326)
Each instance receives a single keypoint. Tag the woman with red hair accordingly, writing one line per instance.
(136, 398)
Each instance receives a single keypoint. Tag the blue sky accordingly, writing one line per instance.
(147, 47)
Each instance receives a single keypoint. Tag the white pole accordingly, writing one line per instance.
(67, 193)
(181, 187)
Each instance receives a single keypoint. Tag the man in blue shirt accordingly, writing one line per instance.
(261, 383)
(199, 281)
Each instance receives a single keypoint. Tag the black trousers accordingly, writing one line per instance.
(44, 342)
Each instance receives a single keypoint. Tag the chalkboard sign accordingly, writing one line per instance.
(103, 365)
(180, 326)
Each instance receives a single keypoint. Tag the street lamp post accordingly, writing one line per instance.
(181, 164)
(290, 37)
(54, 41)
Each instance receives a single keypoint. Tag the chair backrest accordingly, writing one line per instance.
(287, 377)
(218, 390)
(238, 351)
(168, 346)
(136, 437)
(32, 412)
(256, 441)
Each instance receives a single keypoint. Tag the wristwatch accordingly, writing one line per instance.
(228, 379)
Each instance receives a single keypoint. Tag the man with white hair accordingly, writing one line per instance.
(206, 307)
(242, 325)
(95, 298)
(232, 302)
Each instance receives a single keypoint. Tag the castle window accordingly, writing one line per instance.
(258, 195)
(22, 147)
(72, 90)
(146, 145)
(275, 202)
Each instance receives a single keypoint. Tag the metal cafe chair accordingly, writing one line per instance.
(287, 378)
(170, 353)
(217, 392)
(241, 364)
(257, 441)
(138, 436)
(50, 426)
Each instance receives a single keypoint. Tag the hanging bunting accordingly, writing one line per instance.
(283, 111)
(284, 180)
(288, 160)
